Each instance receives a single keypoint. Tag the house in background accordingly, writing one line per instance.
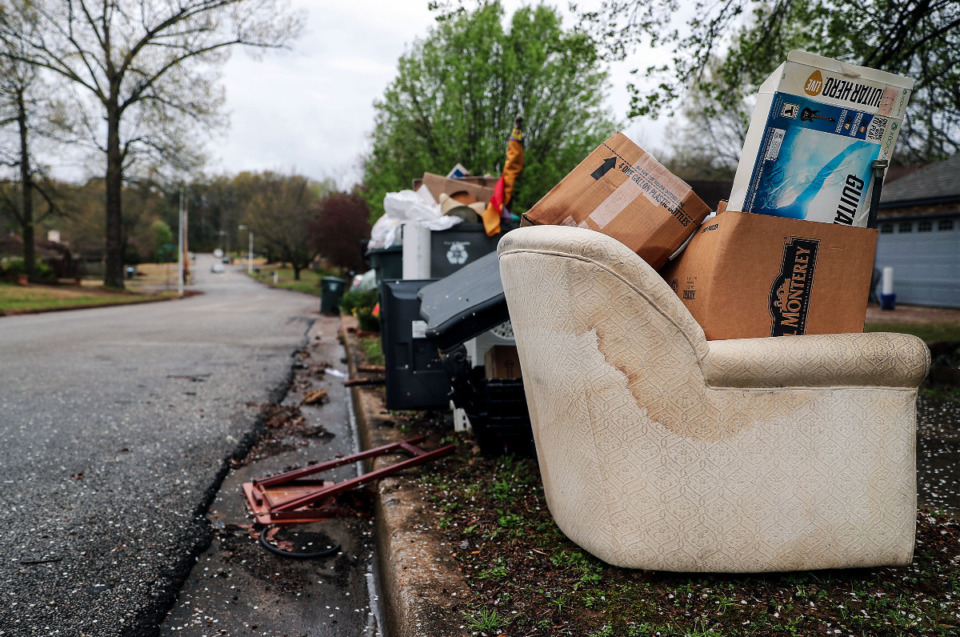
(48, 251)
(919, 223)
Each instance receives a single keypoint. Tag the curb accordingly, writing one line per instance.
(422, 590)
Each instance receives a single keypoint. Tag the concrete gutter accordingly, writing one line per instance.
(422, 590)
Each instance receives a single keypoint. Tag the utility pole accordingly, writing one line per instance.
(249, 248)
(182, 244)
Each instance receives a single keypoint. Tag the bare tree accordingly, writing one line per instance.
(709, 142)
(340, 224)
(145, 74)
(917, 38)
(26, 110)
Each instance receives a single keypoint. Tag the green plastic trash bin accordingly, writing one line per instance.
(388, 262)
(332, 290)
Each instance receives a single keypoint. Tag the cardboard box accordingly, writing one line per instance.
(438, 185)
(625, 193)
(745, 275)
(817, 127)
(502, 361)
(486, 182)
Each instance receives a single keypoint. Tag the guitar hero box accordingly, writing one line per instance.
(622, 191)
(817, 127)
(747, 275)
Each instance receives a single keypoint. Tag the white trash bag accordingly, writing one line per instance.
(408, 206)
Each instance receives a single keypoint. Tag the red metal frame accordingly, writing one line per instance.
(286, 498)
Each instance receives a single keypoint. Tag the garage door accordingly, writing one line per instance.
(925, 257)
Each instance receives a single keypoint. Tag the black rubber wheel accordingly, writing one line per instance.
(297, 556)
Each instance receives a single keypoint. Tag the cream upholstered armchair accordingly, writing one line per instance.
(661, 450)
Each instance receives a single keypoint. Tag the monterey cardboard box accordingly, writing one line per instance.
(625, 193)
(746, 275)
(816, 130)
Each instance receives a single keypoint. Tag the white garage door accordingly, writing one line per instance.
(925, 256)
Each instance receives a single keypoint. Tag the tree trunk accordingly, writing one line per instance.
(26, 195)
(113, 273)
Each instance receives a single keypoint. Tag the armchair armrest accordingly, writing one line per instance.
(831, 360)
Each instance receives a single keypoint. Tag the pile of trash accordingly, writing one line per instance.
(439, 202)
(792, 251)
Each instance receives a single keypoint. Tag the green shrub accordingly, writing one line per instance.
(361, 303)
(366, 321)
(360, 298)
(42, 271)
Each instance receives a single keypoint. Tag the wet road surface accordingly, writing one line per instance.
(116, 427)
(238, 587)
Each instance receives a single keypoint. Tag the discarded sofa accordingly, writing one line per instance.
(661, 450)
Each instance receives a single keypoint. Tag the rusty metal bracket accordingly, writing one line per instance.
(286, 498)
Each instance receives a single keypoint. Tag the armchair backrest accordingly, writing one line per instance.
(584, 307)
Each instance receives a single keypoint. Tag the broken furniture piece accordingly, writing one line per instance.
(287, 498)
(661, 450)
(469, 305)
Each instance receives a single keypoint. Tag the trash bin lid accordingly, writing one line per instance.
(464, 304)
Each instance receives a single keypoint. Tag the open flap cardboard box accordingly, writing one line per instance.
(625, 193)
(746, 275)
(438, 185)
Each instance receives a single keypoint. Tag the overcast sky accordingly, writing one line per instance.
(310, 110)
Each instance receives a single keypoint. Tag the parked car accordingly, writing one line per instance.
(217, 267)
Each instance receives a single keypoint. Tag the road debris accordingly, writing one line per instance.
(317, 397)
(287, 498)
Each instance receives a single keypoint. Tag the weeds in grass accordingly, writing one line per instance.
(372, 350)
(940, 392)
(496, 572)
(485, 619)
(928, 331)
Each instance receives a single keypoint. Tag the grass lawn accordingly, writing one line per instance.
(930, 332)
(527, 578)
(15, 299)
(309, 279)
(372, 350)
(154, 275)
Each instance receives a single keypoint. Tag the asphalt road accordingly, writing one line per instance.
(116, 426)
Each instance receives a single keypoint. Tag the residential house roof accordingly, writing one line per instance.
(935, 183)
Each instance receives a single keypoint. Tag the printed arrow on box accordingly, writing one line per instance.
(604, 168)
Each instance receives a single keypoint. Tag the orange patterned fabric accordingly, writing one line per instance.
(503, 191)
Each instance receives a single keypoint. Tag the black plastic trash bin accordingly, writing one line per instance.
(332, 289)
(415, 376)
(499, 417)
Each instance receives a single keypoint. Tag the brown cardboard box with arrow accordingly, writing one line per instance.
(622, 191)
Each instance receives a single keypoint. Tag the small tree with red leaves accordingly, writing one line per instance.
(339, 228)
